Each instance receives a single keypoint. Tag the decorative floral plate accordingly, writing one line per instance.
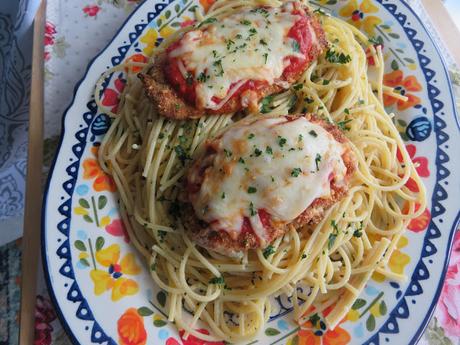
(99, 283)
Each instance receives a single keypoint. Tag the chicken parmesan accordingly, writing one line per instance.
(228, 64)
(262, 175)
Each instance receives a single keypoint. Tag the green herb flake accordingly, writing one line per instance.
(296, 172)
(263, 42)
(207, 21)
(265, 104)
(298, 86)
(314, 319)
(269, 150)
(317, 161)
(326, 82)
(313, 133)
(252, 190)
(296, 46)
(343, 125)
(252, 211)
(228, 153)
(337, 58)
(269, 250)
(202, 77)
(241, 160)
(281, 141)
(251, 136)
(245, 22)
(223, 195)
(217, 281)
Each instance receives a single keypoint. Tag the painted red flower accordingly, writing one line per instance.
(421, 166)
(50, 32)
(448, 311)
(141, 58)
(111, 97)
(192, 340)
(44, 315)
(117, 228)
(91, 10)
(186, 23)
(405, 86)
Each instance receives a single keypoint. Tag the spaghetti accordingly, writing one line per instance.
(325, 266)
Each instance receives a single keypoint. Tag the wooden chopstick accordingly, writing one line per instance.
(33, 202)
(445, 25)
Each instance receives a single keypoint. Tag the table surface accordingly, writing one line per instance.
(75, 32)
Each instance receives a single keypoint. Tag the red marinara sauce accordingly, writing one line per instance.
(300, 32)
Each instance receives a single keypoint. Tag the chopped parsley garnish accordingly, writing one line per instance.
(238, 36)
(265, 55)
(317, 161)
(181, 153)
(207, 21)
(228, 153)
(217, 281)
(300, 138)
(245, 22)
(335, 57)
(262, 41)
(298, 86)
(189, 78)
(218, 64)
(346, 111)
(251, 135)
(359, 231)
(304, 256)
(281, 141)
(326, 82)
(296, 46)
(313, 133)
(177, 107)
(308, 100)
(333, 235)
(202, 77)
(265, 104)
(229, 44)
(272, 178)
(343, 125)
(223, 195)
(214, 53)
(296, 172)
(252, 211)
(161, 136)
(252, 190)
(320, 11)
(257, 152)
(268, 251)
(269, 150)
(182, 139)
(314, 319)
(252, 31)
(241, 160)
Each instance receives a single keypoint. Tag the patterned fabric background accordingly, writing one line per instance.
(77, 30)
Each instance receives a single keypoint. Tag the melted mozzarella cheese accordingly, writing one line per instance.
(249, 45)
(277, 164)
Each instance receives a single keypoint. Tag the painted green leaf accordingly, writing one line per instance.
(404, 136)
(144, 311)
(83, 203)
(177, 8)
(159, 22)
(399, 50)
(331, 2)
(101, 202)
(161, 298)
(88, 218)
(271, 332)
(193, 8)
(80, 245)
(159, 323)
(370, 323)
(393, 35)
(384, 26)
(394, 65)
(383, 308)
(175, 24)
(409, 60)
(84, 262)
(359, 303)
(295, 340)
(99, 243)
(168, 14)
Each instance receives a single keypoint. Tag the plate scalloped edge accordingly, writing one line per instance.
(440, 194)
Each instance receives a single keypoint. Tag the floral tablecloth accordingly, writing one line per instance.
(76, 30)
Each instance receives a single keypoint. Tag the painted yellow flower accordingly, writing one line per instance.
(113, 277)
(149, 39)
(358, 15)
(398, 260)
